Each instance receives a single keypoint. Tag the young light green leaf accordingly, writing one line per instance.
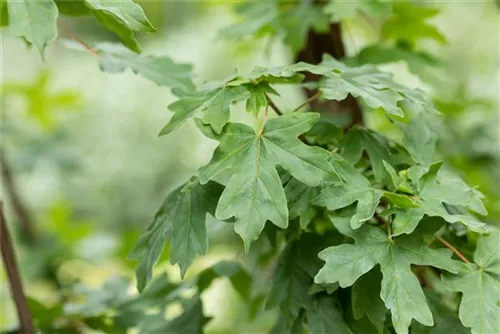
(35, 21)
(356, 189)
(401, 291)
(239, 277)
(480, 284)
(358, 140)
(366, 301)
(123, 17)
(182, 220)
(245, 161)
(161, 70)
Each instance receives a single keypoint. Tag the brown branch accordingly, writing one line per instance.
(75, 37)
(453, 249)
(330, 43)
(22, 213)
(273, 106)
(308, 101)
(16, 286)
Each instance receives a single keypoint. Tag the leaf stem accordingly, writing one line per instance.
(16, 286)
(306, 102)
(266, 112)
(453, 249)
(77, 39)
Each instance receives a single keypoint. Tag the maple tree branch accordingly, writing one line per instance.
(16, 286)
(22, 213)
(330, 43)
(453, 249)
(77, 39)
(308, 101)
(273, 106)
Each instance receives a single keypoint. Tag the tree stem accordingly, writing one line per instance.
(22, 213)
(77, 39)
(16, 286)
(453, 249)
(308, 101)
(273, 106)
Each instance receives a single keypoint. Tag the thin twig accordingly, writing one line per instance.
(453, 249)
(16, 286)
(77, 39)
(273, 106)
(22, 213)
(306, 102)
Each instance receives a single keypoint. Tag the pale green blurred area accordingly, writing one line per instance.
(88, 163)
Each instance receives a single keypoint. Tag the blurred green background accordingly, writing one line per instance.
(83, 149)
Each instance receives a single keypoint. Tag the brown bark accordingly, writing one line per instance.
(330, 43)
(16, 286)
(25, 220)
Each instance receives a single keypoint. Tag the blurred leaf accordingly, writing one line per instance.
(4, 14)
(408, 24)
(35, 21)
(123, 17)
(239, 277)
(342, 10)
(161, 70)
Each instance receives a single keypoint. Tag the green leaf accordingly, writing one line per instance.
(434, 191)
(160, 70)
(299, 197)
(294, 274)
(291, 282)
(4, 14)
(366, 301)
(35, 21)
(408, 24)
(419, 140)
(191, 320)
(257, 18)
(73, 7)
(298, 22)
(325, 316)
(258, 98)
(400, 182)
(422, 64)
(181, 219)
(245, 162)
(479, 284)
(401, 291)
(342, 10)
(356, 189)
(239, 277)
(446, 319)
(123, 17)
(376, 88)
(358, 140)
(217, 107)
